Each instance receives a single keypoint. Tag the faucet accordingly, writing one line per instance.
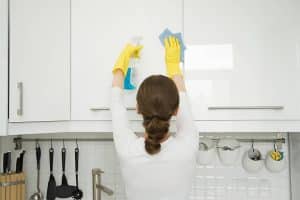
(97, 186)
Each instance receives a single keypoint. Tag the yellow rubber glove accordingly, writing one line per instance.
(172, 56)
(128, 52)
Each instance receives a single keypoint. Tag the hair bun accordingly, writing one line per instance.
(157, 125)
(156, 130)
(151, 146)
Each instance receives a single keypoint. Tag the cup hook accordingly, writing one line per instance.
(275, 146)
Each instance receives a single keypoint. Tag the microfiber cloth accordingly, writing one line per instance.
(167, 33)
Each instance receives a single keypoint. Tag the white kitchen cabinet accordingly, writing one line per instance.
(39, 60)
(100, 30)
(3, 67)
(242, 59)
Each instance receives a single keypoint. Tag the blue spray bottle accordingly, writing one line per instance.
(130, 80)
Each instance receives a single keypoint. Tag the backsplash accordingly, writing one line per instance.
(212, 182)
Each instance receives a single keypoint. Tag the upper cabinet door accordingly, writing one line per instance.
(3, 67)
(242, 59)
(100, 30)
(39, 60)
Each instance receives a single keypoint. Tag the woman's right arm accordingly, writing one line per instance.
(186, 127)
(172, 57)
(179, 81)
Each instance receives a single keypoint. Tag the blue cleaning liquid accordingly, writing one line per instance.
(128, 84)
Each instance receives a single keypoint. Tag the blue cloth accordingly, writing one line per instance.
(167, 33)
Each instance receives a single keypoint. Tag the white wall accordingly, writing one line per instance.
(3, 66)
(211, 182)
(295, 165)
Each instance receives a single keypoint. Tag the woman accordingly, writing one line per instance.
(158, 166)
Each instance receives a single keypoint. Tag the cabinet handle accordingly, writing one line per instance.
(107, 108)
(20, 109)
(245, 107)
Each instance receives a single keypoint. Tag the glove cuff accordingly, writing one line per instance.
(173, 69)
(121, 64)
(118, 68)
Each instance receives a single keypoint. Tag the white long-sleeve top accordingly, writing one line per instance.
(167, 175)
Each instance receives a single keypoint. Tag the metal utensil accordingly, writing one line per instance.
(228, 148)
(51, 189)
(77, 194)
(64, 190)
(38, 195)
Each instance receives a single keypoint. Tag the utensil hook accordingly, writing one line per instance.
(76, 141)
(252, 145)
(37, 143)
(63, 143)
(275, 146)
(51, 144)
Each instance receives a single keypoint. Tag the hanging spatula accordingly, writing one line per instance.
(64, 190)
(51, 189)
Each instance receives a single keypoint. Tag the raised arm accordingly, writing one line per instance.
(122, 133)
(184, 119)
(172, 57)
(121, 66)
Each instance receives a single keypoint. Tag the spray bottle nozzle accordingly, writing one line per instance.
(131, 75)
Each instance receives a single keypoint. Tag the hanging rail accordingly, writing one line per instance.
(19, 140)
(249, 140)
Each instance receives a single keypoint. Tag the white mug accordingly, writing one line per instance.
(252, 160)
(275, 165)
(228, 151)
(207, 152)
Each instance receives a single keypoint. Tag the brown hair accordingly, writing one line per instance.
(157, 100)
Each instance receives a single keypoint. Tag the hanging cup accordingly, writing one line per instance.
(275, 160)
(252, 160)
(207, 152)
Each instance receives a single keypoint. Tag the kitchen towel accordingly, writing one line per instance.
(166, 33)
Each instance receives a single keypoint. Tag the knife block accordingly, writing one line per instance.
(12, 186)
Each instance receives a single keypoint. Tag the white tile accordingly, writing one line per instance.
(214, 182)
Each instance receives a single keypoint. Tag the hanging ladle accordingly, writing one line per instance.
(38, 195)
